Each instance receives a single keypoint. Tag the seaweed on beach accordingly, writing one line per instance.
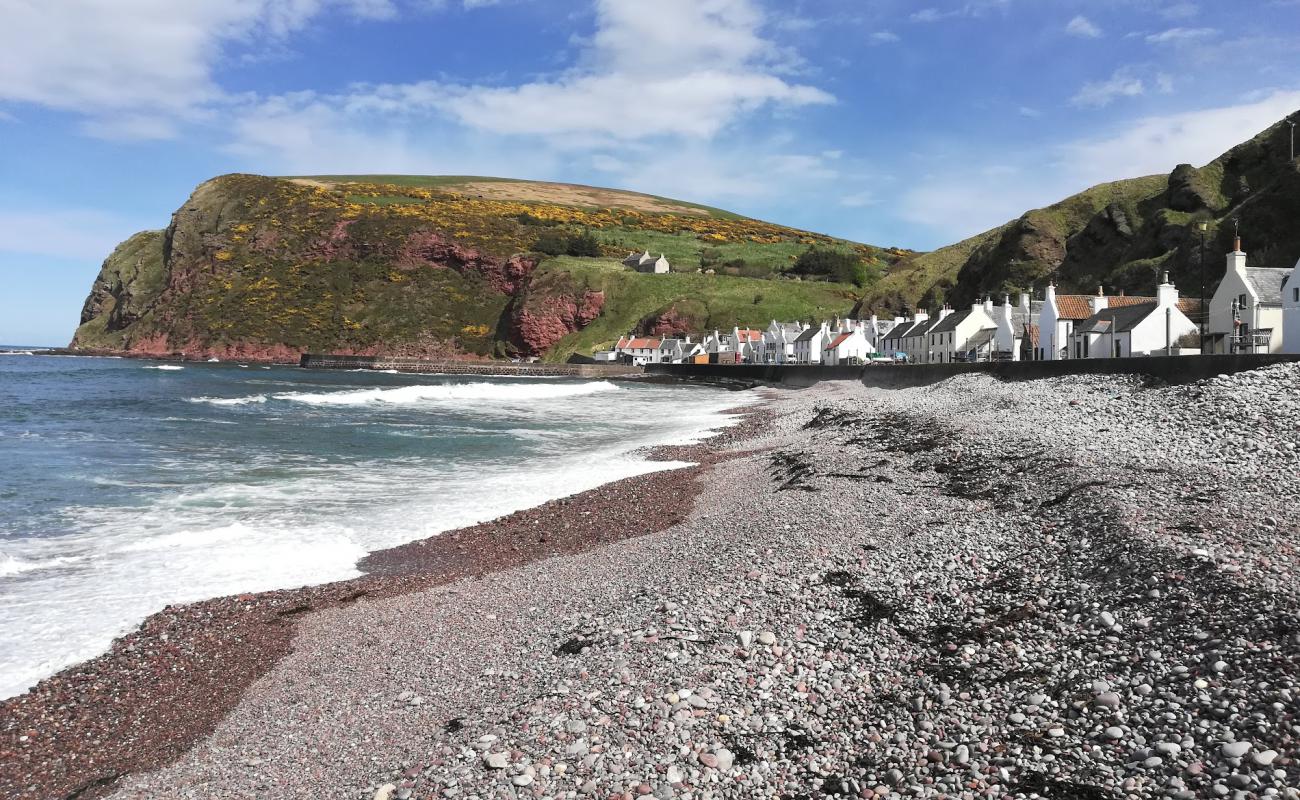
(792, 470)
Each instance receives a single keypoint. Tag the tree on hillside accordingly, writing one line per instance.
(552, 243)
(834, 265)
(584, 244)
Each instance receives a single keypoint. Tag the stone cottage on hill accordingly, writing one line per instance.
(644, 262)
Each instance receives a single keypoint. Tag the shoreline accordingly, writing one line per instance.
(162, 688)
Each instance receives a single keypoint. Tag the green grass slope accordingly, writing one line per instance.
(253, 266)
(1122, 235)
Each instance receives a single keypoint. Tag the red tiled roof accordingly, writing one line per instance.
(750, 335)
(1033, 335)
(838, 339)
(1077, 306)
(638, 344)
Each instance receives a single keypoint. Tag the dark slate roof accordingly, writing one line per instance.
(1018, 317)
(926, 327)
(980, 337)
(808, 335)
(950, 322)
(1124, 318)
(900, 331)
(1267, 283)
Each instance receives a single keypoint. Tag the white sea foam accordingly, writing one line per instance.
(230, 401)
(435, 393)
(282, 519)
(166, 367)
(18, 566)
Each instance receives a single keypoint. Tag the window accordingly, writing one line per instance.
(1119, 350)
(1241, 301)
(1086, 343)
(1295, 295)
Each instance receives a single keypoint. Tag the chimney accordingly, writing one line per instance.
(1024, 302)
(1166, 294)
(1006, 309)
(1237, 259)
(1049, 294)
(988, 305)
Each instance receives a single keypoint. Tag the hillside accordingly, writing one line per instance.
(256, 267)
(1121, 235)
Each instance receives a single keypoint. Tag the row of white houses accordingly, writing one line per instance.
(1254, 310)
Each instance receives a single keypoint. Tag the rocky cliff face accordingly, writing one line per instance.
(1123, 235)
(264, 269)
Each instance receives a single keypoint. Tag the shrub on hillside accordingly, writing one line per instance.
(833, 265)
(552, 243)
(558, 243)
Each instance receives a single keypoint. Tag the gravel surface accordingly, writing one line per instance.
(1069, 588)
(164, 687)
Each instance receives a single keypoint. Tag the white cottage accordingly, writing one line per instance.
(1246, 310)
(1015, 326)
(1126, 330)
(637, 350)
(847, 347)
(809, 344)
(777, 343)
(1291, 312)
(644, 262)
(892, 343)
(966, 335)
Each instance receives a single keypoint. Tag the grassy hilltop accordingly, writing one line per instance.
(255, 266)
(1122, 235)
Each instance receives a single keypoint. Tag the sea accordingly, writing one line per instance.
(128, 485)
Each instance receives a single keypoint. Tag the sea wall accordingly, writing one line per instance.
(1172, 369)
(318, 361)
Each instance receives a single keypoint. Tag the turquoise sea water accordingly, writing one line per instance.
(126, 485)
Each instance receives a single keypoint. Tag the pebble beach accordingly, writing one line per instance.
(1065, 588)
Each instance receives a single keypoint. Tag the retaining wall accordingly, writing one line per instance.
(318, 361)
(1172, 369)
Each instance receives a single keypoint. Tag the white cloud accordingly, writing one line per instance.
(1083, 27)
(680, 69)
(983, 194)
(136, 66)
(883, 37)
(1179, 35)
(1098, 94)
(1031, 113)
(1180, 11)
(643, 106)
(1156, 144)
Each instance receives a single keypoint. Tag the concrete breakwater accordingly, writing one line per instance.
(415, 365)
(1172, 369)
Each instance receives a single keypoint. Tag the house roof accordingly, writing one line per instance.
(838, 340)
(639, 344)
(1078, 306)
(1124, 318)
(1267, 283)
(950, 322)
(669, 344)
(750, 335)
(900, 330)
(1018, 317)
(807, 336)
(925, 326)
(980, 338)
(1033, 334)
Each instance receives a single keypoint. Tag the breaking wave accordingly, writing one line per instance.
(437, 393)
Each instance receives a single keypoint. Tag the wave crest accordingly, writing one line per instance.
(435, 393)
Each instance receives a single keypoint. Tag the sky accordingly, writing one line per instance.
(911, 123)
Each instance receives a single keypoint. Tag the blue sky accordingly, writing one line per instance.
(890, 122)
